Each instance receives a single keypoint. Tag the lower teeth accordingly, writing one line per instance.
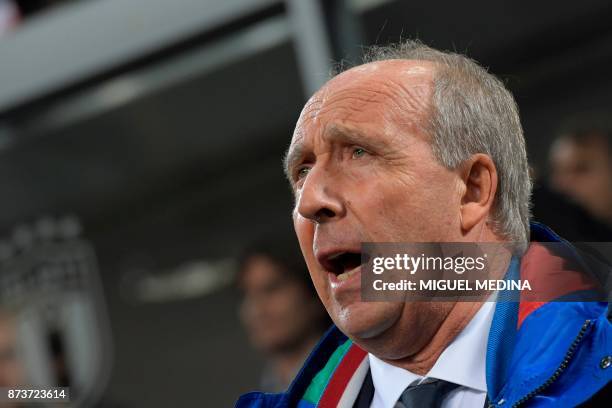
(344, 276)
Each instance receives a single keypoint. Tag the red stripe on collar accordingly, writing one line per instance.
(341, 376)
(550, 276)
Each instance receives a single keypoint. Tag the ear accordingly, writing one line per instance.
(479, 176)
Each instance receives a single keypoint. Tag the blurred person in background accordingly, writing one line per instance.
(565, 217)
(11, 371)
(280, 309)
(581, 164)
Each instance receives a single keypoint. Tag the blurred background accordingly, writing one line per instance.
(140, 159)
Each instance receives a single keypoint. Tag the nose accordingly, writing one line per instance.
(319, 199)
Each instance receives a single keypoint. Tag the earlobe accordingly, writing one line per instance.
(480, 178)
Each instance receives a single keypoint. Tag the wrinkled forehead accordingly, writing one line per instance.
(386, 91)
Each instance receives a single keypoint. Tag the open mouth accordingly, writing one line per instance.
(342, 264)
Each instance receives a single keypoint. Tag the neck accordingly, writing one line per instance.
(458, 317)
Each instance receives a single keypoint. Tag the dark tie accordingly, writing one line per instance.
(429, 394)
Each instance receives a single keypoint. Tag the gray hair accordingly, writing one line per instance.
(473, 112)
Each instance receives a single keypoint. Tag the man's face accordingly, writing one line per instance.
(583, 171)
(363, 170)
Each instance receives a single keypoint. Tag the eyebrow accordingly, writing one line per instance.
(350, 136)
(335, 134)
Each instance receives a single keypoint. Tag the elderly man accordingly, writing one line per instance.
(418, 145)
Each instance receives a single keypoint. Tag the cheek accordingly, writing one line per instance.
(304, 230)
(411, 210)
(370, 200)
(305, 234)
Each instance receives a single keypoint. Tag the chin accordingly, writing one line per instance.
(367, 320)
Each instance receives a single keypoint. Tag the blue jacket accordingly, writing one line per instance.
(555, 354)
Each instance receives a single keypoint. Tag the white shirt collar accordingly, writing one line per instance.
(389, 381)
(462, 362)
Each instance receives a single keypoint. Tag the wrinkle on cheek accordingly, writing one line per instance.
(399, 172)
(348, 177)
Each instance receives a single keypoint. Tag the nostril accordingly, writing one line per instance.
(324, 214)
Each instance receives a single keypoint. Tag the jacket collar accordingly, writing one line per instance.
(509, 344)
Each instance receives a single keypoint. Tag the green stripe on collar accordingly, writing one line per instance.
(319, 382)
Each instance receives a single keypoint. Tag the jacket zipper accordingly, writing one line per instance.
(566, 360)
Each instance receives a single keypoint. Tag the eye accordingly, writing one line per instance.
(358, 152)
(302, 172)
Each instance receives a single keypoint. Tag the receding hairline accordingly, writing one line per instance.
(416, 67)
(421, 68)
